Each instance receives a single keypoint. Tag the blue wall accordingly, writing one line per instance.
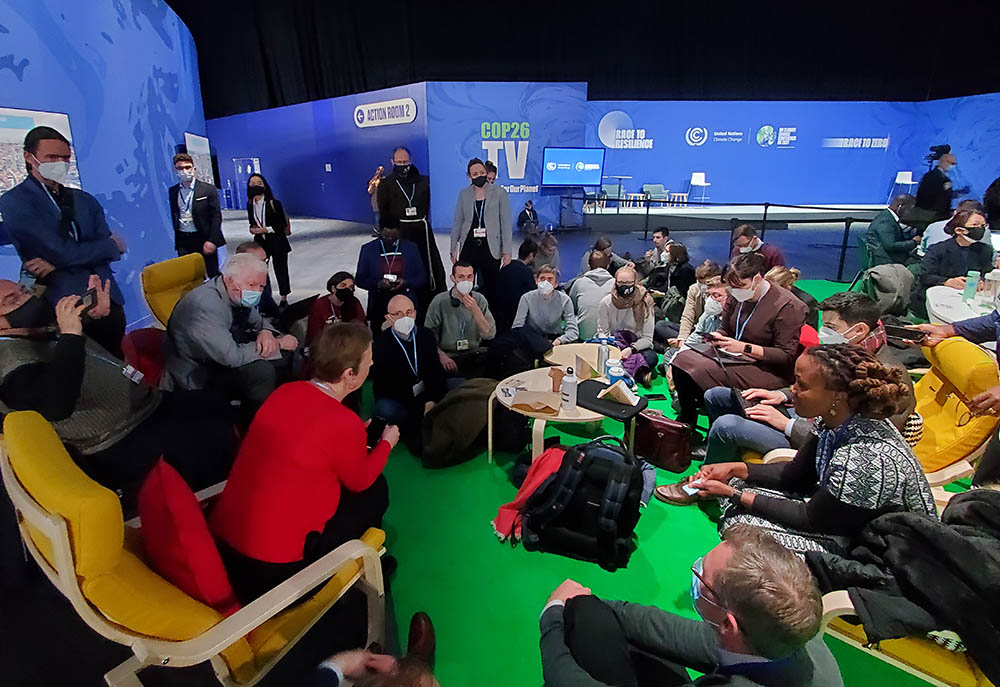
(295, 143)
(510, 123)
(125, 71)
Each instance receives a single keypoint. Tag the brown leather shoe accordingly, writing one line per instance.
(422, 642)
(675, 495)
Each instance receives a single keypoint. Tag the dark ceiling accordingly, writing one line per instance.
(255, 54)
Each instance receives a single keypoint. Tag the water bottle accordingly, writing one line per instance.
(602, 357)
(971, 285)
(568, 390)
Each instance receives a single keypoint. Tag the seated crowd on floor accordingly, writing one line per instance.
(737, 341)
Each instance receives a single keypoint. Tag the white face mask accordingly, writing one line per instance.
(463, 287)
(713, 307)
(545, 288)
(752, 246)
(404, 325)
(53, 171)
(828, 336)
(185, 176)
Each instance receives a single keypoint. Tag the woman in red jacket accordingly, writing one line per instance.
(304, 481)
(340, 305)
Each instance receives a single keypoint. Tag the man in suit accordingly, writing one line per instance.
(888, 242)
(761, 613)
(194, 209)
(216, 337)
(61, 234)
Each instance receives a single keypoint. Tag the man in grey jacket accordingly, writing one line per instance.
(761, 613)
(217, 338)
(588, 290)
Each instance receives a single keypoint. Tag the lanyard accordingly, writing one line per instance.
(415, 363)
(739, 329)
(334, 317)
(73, 231)
(478, 210)
(395, 252)
(409, 198)
(184, 205)
(261, 216)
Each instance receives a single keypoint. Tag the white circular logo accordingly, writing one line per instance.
(696, 136)
(551, 166)
(579, 166)
(609, 126)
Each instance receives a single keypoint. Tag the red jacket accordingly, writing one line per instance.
(324, 311)
(301, 447)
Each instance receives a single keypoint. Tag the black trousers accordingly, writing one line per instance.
(689, 396)
(989, 465)
(108, 331)
(477, 252)
(251, 384)
(356, 512)
(280, 263)
(193, 243)
(599, 645)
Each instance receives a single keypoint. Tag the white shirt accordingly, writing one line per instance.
(185, 203)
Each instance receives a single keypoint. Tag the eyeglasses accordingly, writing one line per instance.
(404, 313)
(699, 584)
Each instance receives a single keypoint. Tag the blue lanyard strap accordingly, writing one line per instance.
(739, 329)
(415, 363)
(409, 197)
(395, 252)
(478, 209)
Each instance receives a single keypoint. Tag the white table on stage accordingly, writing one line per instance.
(945, 305)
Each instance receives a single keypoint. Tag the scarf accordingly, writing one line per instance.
(640, 303)
(507, 524)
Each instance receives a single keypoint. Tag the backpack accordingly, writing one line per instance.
(589, 508)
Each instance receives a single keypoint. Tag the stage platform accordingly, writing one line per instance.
(611, 218)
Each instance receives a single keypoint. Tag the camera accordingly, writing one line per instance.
(937, 152)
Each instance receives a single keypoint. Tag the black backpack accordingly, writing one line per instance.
(589, 508)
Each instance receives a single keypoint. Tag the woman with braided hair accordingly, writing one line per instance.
(856, 468)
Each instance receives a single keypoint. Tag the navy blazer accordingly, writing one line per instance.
(371, 267)
(204, 210)
(32, 220)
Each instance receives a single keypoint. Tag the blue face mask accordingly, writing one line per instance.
(249, 299)
(696, 591)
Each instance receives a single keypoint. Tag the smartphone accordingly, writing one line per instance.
(374, 431)
(27, 280)
(904, 333)
(655, 397)
(89, 300)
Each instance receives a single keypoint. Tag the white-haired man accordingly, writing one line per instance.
(216, 337)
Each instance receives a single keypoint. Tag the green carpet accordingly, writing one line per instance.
(485, 597)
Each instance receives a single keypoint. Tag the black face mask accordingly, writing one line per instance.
(624, 291)
(256, 190)
(33, 314)
(343, 295)
(479, 181)
(976, 233)
(401, 170)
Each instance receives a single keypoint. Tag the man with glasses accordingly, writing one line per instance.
(61, 235)
(197, 219)
(407, 375)
(404, 201)
(760, 615)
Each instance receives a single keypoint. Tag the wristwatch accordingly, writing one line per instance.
(736, 497)
(748, 349)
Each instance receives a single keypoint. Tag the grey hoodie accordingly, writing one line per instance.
(587, 292)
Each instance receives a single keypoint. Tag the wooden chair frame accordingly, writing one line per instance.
(148, 651)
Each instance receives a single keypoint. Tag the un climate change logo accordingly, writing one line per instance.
(696, 136)
(551, 166)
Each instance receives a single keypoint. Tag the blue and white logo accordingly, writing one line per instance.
(579, 166)
(551, 166)
(359, 115)
(696, 136)
(766, 136)
(611, 124)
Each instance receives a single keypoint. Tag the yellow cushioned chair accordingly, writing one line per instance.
(918, 656)
(165, 283)
(73, 529)
(953, 439)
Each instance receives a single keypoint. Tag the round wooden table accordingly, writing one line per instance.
(534, 380)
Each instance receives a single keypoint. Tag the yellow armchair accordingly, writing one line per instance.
(917, 656)
(73, 529)
(165, 283)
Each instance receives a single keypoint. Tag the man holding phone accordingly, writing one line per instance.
(767, 421)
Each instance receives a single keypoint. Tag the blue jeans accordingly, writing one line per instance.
(730, 435)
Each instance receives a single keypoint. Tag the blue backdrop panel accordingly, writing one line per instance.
(509, 123)
(126, 74)
(781, 152)
(295, 144)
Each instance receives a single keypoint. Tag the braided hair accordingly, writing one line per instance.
(874, 390)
